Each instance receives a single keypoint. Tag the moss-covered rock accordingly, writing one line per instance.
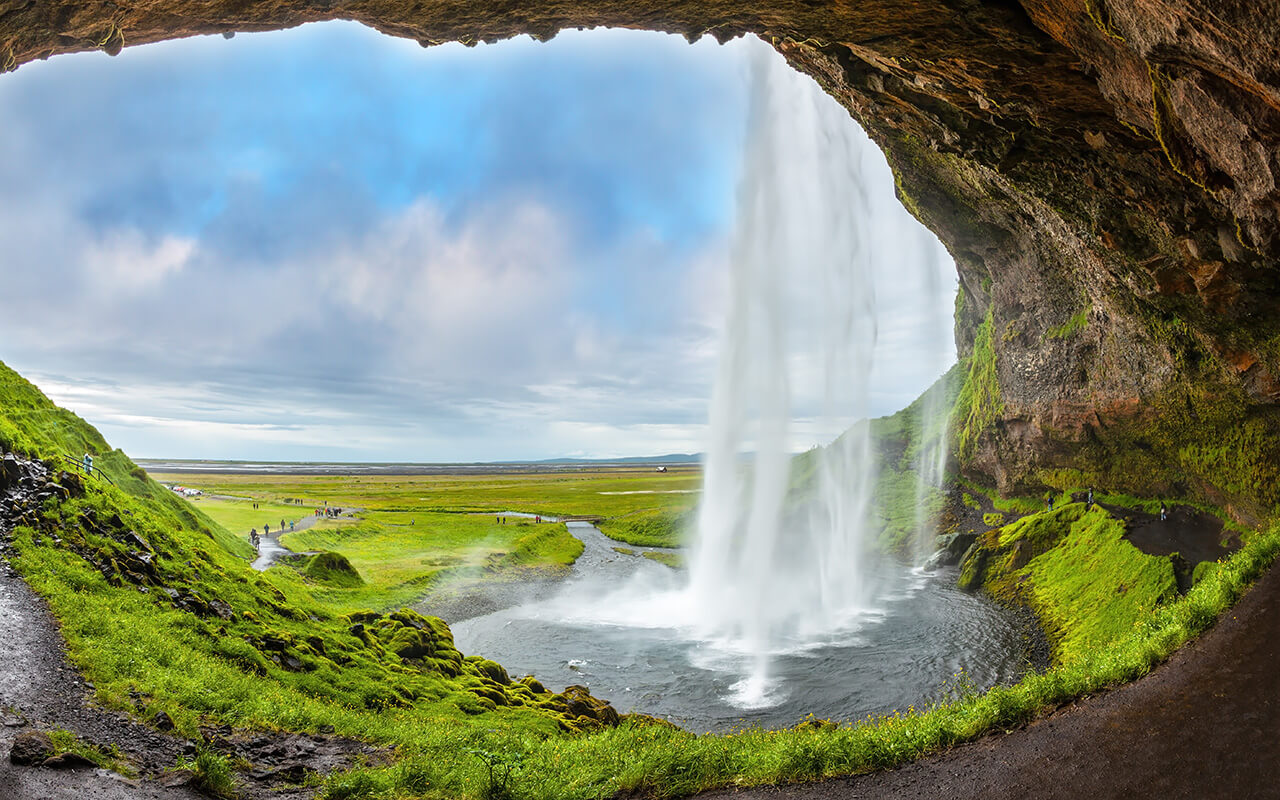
(333, 569)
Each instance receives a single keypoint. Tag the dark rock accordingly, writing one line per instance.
(178, 779)
(137, 540)
(162, 721)
(293, 773)
(952, 547)
(31, 748)
(221, 610)
(68, 761)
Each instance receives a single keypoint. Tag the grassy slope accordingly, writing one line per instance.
(1087, 585)
(32, 425)
(659, 527)
(899, 499)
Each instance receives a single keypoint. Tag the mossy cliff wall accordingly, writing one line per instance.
(1103, 171)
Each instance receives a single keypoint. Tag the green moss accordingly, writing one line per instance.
(1203, 570)
(333, 569)
(1072, 566)
(1207, 442)
(1069, 328)
(979, 405)
(993, 520)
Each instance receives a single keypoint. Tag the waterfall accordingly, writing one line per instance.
(933, 421)
(770, 571)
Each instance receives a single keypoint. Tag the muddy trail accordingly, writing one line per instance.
(41, 691)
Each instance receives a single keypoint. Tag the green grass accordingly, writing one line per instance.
(211, 774)
(239, 516)
(608, 493)
(65, 741)
(1072, 566)
(398, 562)
(333, 569)
(673, 560)
(900, 503)
(669, 527)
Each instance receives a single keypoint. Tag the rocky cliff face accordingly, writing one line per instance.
(1104, 172)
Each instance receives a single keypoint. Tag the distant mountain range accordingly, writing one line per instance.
(671, 458)
(398, 468)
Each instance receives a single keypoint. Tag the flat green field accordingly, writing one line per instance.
(399, 562)
(607, 493)
(239, 516)
(412, 533)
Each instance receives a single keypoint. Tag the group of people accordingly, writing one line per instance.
(256, 540)
(1048, 503)
(331, 513)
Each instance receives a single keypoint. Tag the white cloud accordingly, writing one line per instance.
(125, 260)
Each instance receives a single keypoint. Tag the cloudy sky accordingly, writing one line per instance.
(327, 244)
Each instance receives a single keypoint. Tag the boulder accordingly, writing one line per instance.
(31, 748)
(582, 704)
(68, 761)
(952, 547)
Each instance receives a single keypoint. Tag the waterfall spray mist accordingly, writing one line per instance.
(769, 572)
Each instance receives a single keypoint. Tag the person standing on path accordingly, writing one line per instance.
(88, 464)
(266, 529)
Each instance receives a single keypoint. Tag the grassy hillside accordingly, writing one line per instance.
(33, 426)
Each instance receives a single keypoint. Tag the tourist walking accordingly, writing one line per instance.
(88, 464)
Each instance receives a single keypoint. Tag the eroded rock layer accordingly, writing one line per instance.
(1103, 171)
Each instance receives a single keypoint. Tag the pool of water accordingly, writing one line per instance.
(617, 626)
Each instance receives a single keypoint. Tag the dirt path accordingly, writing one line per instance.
(39, 689)
(1204, 725)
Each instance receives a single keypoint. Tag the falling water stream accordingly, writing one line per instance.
(784, 609)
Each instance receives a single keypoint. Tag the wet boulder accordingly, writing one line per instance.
(952, 547)
(68, 761)
(31, 748)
